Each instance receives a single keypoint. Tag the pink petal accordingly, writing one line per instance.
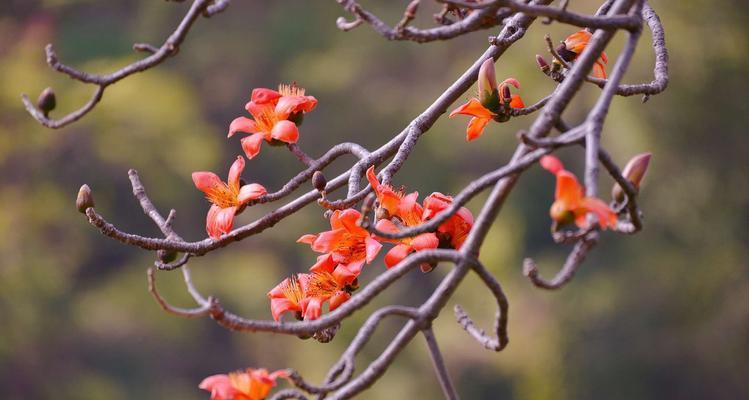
(324, 263)
(551, 164)
(343, 275)
(235, 172)
(339, 298)
(354, 267)
(251, 192)
(313, 309)
(285, 131)
(205, 181)
(251, 145)
(264, 95)
(242, 124)
(308, 239)
(327, 241)
(220, 387)
(278, 306)
(219, 221)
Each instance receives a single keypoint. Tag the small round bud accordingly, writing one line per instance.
(166, 256)
(319, 181)
(47, 100)
(85, 199)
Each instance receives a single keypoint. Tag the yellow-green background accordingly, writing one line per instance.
(664, 314)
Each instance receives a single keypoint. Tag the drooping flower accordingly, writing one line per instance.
(275, 116)
(453, 231)
(492, 102)
(573, 46)
(346, 245)
(228, 199)
(570, 204)
(251, 384)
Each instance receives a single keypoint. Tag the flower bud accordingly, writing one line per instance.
(506, 95)
(85, 199)
(542, 64)
(166, 256)
(487, 81)
(47, 100)
(319, 181)
(634, 171)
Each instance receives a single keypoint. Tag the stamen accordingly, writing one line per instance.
(290, 89)
(322, 284)
(292, 290)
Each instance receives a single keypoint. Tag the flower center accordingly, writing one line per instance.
(223, 195)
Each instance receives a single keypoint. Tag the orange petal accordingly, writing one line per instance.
(473, 108)
(219, 221)
(372, 248)
(280, 305)
(372, 178)
(577, 41)
(285, 131)
(598, 70)
(475, 128)
(606, 216)
(568, 190)
(328, 241)
(425, 241)
(324, 263)
(251, 145)
(308, 239)
(242, 124)
(339, 298)
(313, 309)
(516, 102)
(396, 255)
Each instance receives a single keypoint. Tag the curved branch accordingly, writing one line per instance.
(574, 260)
(168, 49)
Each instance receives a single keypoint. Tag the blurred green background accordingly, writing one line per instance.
(664, 314)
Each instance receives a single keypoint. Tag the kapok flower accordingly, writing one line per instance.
(394, 203)
(275, 116)
(289, 296)
(251, 384)
(574, 45)
(492, 102)
(305, 294)
(229, 199)
(406, 246)
(453, 231)
(570, 205)
(347, 244)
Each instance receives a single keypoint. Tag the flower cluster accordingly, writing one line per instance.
(276, 117)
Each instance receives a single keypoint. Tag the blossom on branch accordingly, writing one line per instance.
(347, 245)
(573, 46)
(251, 384)
(275, 117)
(413, 216)
(229, 199)
(454, 231)
(305, 294)
(570, 204)
(493, 101)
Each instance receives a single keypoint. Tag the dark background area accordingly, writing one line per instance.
(663, 314)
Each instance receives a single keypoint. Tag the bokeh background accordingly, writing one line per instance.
(663, 314)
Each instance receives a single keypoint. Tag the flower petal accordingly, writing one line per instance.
(242, 124)
(251, 145)
(475, 128)
(327, 241)
(551, 164)
(280, 305)
(206, 181)
(568, 190)
(313, 309)
(425, 241)
(324, 263)
(339, 298)
(473, 108)
(372, 248)
(290, 104)
(606, 216)
(285, 131)
(220, 387)
(264, 95)
(516, 101)
(308, 239)
(251, 192)
(219, 221)
(598, 70)
(396, 255)
(235, 172)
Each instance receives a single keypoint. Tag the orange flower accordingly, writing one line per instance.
(492, 102)
(394, 204)
(229, 199)
(347, 244)
(251, 384)
(576, 43)
(570, 205)
(410, 213)
(275, 116)
(455, 230)
(305, 294)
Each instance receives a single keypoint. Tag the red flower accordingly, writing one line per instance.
(577, 42)
(251, 384)
(392, 203)
(570, 205)
(229, 199)
(305, 294)
(482, 115)
(347, 244)
(456, 228)
(271, 111)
